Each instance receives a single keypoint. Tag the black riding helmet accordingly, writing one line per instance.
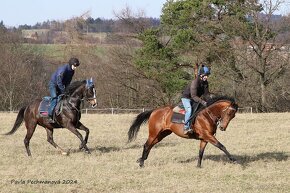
(74, 61)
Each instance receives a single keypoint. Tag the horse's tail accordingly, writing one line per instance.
(135, 127)
(18, 121)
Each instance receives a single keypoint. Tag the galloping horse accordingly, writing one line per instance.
(68, 117)
(219, 112)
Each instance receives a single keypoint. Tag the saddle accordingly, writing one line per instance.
(45, 104)
(179, 114)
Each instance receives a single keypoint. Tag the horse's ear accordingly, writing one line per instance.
(235, 105)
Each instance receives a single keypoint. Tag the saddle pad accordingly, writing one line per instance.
(43, 107)
(177, 118)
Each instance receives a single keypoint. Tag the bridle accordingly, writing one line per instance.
(218, 120)
(94, 97)
(89, 85)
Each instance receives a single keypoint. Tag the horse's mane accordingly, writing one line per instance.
(218, 98)
(73, 86)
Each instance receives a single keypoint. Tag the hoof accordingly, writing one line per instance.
(233, 160)
(141, 162)
(64, 153)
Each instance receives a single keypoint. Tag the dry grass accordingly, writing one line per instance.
(260, 142)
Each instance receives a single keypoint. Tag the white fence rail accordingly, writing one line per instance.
(245, 110)
(128, 111)
(113, 111)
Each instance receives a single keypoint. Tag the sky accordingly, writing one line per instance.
(20, 12)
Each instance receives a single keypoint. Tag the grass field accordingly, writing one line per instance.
(260, 143)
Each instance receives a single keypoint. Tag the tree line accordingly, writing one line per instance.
(243, 42)
(89, 24)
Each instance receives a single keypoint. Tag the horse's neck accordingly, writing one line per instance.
(75, 98)
(216, 109)
(78, 93)
(74, 102)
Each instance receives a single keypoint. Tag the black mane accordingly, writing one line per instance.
(73, 86)
(218, 98)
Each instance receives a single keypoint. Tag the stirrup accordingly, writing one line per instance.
(50, 119)
(186, 131)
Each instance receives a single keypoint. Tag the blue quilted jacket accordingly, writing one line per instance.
(62, 77)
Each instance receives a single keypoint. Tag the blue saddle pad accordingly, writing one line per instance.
(44, 106)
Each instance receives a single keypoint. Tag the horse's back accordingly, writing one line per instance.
(161, 112)
(161, 115)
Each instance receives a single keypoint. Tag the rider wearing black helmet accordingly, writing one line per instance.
(192, 93)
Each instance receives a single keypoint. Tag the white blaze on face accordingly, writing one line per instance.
(94, 98)
(94, 90)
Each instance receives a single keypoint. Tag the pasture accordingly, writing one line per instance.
(260, 143)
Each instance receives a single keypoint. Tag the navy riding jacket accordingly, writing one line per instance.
(62, 77)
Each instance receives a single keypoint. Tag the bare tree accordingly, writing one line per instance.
(258, 61)
(131, 22)
(19, 69)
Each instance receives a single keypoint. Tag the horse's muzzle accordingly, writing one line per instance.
(93, 102)
(222, 128)
(94, 105)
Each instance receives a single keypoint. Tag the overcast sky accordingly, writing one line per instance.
(20, 12)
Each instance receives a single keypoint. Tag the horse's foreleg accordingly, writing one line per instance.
(223, 148)
(84, 128)
(51, 141)
(201, 151)
(83, 145)
(216, 143)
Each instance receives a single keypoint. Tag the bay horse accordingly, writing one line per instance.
(218, 113)
(69, 116)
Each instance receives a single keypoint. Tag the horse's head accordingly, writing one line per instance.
(222, 110)
(227, 114)
(90, 92)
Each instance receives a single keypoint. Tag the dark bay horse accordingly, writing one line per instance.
(68, 118)
(218, 113)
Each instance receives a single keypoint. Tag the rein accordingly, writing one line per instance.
(214, 118)
(72, 104)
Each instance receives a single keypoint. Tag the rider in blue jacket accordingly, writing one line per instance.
(59, 80)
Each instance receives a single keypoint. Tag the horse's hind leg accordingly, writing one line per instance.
(30, 126)
(51, 141)
(151, 141)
